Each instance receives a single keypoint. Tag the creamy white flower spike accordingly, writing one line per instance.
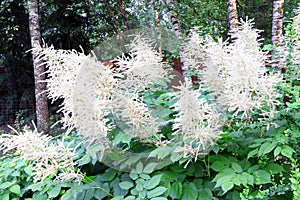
(197, 121)
(236, 74)
(45, 157)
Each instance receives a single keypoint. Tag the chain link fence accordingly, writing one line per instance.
(12, 110)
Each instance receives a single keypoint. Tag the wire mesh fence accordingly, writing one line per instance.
(11, 110)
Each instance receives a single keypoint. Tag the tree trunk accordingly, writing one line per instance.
(277, 23)
(232, 19)
(178, 34)
(42, 114)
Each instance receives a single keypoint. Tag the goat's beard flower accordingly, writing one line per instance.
(131, 110)
(236, 73)
(143, 68)
(197, 121)
(86, 86)
(46, 158)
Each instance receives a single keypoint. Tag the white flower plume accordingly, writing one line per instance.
(197, 121)
(143, 68)
(45, 157)
(236, 73)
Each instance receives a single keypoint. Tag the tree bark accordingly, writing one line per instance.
(277, 23)
(232, 19)
(42, 114)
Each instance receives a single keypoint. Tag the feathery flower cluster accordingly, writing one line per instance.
(236, 74)
(45, 157)
(85, 85)
(134, 113)
(197, 121)
(144, 68)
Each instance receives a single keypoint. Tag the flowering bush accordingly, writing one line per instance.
(236, 136)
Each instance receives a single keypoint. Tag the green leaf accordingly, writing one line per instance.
(205, 194)
(223, 179)
(54, 192)
(139, 167)
(28, 170)
(236, 167)
(109, 175)
(266, 148)
(84, 160)
(156, 192)
(274, 168)
(189, 192)
(101, 193)
(262, 177)
(287, 151)
(176, 190)
(149, 168)
(133, 176)
(6, 185)
(15, 189)
(125, 185)
(252, 153)
(218, 166)
(145, 176)
(277, 151)
(246, 178)
(227, 186)
(153, 182)
(140, 184)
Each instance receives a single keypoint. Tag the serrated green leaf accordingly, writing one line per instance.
(218, 166)
(108, 175)
(84, 160)
(139, 167)
(156, 192)
(227, 186)
(277, 151)
(266, 148)
(6, 185)
(28, 170)
(236, 167)
(262, 177)
(101, 193)
(125, 185)
(189, 191)
(54, 192)
(15, 189)
(153, 182)
(133, 176)
(274, 168)
(252, 153)
(224, 179)
(246, 178)
(176, 190)
(149, 168)
(287, 151)
(140, 184)
(145, 176)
